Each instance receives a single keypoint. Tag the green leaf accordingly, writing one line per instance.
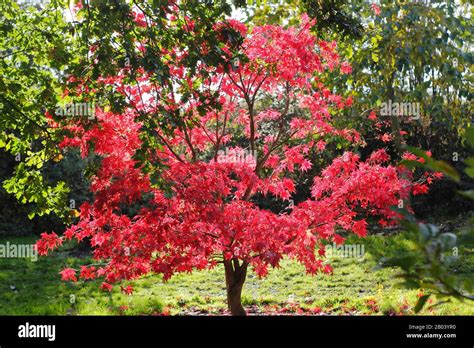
(440, 166)
(470, 172)
(409, 284)
(469, 194)
(447, 169)
(470, 161)
(470, 136)
(421, 302)
(425, 233)
(404, 262)
(449, 240)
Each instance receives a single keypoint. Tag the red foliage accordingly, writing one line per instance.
(68, 274)
(203, 206)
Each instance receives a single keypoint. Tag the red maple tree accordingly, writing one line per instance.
(267, 115)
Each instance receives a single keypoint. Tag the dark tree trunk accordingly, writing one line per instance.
(395, 123)
(235, 278)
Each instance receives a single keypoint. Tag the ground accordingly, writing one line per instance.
(357, 287)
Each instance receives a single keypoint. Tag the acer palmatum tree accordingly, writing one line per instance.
(197, 201)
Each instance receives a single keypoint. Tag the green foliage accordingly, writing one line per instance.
(31, 189)
(40, 49)
(23, 211)
(414, 52)
(331, 15)
(34, 50)
(433, 271)
(440, 250)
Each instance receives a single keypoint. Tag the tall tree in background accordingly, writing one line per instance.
(330, 15)
(416, 53)
(409, 53)
(34, 50)
(42, 45)
(404, 51)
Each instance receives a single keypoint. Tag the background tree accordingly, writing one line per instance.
(415, 53)
(41, 46)
(330, 15)
(34, 51)
(407, 52)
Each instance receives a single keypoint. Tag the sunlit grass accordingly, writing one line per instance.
(356, 287)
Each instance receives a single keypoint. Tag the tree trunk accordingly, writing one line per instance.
(395, 125)
(234, 278)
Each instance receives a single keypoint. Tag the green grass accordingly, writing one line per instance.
(356, 287)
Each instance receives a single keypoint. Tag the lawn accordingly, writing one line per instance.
(357, 287)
